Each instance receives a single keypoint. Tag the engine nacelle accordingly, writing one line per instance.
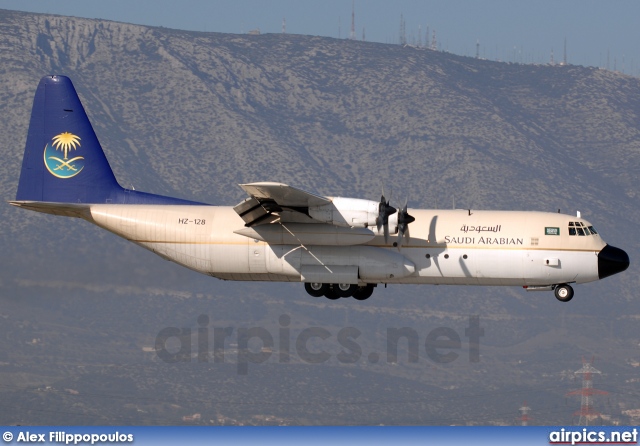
(347, 212)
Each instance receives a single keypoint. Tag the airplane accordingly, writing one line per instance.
(338, 247)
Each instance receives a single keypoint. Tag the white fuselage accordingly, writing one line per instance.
(445, 247)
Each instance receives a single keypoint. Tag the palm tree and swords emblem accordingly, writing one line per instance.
(63, 167)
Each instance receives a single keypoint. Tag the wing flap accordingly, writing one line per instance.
(268, 198)
(254, 213)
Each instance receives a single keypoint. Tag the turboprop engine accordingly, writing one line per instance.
(347, 212)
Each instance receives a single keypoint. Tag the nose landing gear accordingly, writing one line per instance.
(563, 292)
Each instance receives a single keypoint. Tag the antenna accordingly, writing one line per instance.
(284, 25)
(564, 57)
(477, 49)
(352, 36)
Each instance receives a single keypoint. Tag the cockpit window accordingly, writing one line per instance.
(580, 229)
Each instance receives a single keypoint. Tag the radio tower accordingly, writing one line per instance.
(352, 36)
(587, 392)
(524, 419)
(284, 25)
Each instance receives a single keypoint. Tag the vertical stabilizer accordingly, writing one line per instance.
(63, 160)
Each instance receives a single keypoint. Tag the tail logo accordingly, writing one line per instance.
(63, 167)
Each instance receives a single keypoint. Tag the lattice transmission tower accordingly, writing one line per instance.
(524, 418)
(587, 412)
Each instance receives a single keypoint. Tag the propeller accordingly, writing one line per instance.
(403, 224)
(384, 211)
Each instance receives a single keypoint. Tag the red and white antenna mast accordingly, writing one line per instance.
(524, 418)
(587, 412)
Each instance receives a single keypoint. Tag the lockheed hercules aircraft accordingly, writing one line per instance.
(338, 247)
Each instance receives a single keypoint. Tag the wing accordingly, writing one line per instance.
(284, 195)
(267, 199)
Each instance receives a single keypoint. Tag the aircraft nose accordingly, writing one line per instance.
(611, 260)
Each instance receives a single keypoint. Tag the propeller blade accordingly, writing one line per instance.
(386, 233)
(399, 241)
(384, 211)
(404, 219)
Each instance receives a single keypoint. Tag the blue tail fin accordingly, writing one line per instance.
(63, 160)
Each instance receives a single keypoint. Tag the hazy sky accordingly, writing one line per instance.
(509, 30)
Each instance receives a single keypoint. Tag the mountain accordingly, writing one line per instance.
(192, 114)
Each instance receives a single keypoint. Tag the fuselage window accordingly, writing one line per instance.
(572, 231)
(570, 223)
(593, 231)
(580, 231)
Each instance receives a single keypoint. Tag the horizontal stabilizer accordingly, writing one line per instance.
(79, 210)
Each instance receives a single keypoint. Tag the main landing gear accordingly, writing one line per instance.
(563, 292)
(335, 291)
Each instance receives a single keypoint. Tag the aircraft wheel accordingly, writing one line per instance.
(363, 292)
(331, 292)
(564, 292)
(345, 289)
(316, 289)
